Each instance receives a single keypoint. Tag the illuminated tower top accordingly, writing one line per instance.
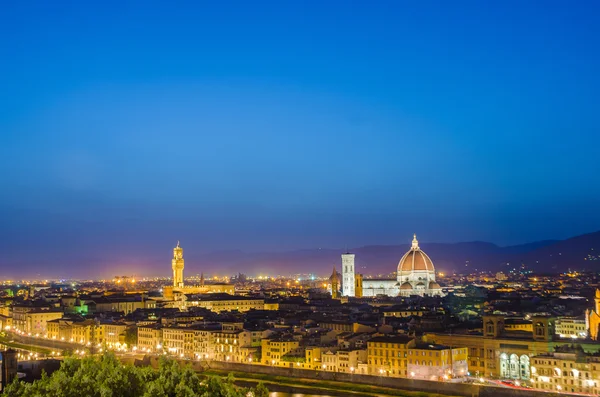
(177, 264)
(415, 242)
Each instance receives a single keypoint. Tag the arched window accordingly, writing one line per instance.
(514, 366)
(525, 367)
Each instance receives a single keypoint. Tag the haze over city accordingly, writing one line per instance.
(127, 128)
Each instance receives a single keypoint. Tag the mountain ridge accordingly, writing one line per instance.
(461, 257)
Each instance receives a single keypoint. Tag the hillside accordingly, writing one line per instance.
(382, 259)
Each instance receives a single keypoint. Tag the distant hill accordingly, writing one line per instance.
(542, 256)
(580, 252)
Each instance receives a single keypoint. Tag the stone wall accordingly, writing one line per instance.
(454, 389)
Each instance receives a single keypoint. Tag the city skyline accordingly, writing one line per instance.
(578, 253)
(317, 197)
(231, 128)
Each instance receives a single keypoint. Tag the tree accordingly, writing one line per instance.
(106, 376)
(131, 336)
(261, 391)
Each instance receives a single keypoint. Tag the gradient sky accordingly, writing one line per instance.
(276, 125)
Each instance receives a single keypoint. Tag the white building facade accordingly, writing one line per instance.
(348, 278)
(415, 276)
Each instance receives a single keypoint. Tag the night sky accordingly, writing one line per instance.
(287, 124)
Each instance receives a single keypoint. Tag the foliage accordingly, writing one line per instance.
(131, 336)
(106, 376)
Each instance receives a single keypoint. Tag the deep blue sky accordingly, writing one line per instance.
(281, 125)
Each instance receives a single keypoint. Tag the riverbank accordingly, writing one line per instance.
(318, 386)
(9, 342)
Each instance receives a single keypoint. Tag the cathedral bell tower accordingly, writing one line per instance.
(348, 275)
(177, 265)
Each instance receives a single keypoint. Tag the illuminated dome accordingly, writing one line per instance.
(415, 260)
(434, 285)
(406, 286)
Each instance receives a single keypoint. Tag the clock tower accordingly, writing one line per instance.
(177, 265)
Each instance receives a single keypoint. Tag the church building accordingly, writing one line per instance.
(592, 318)
(415, 276)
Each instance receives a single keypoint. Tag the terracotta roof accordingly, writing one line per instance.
(434, 285)
(415, 260)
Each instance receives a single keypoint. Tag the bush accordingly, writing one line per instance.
(106, 376)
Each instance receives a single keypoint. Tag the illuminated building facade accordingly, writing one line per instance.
(114, 333)
(593, 317)
(567, 370)
(573, 328)
(34, 320)
(358, 291)
(225, 303)
(178, 289)
(273, 349)
(334, 282)
(177, 264)
(436, 362)
(348, 282)
(149, 337)
(507, 354)
(415, 276)
(346, 361)
(387, 356)
(406, 357)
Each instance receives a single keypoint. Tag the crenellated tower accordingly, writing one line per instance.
(177, 265)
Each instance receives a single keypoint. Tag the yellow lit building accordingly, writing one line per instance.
(114, 333)
(273, 349)
(178, 341)
(312, 356)
(60, 329)
(334, 283)
(573, 328)
(6, 322)
(203, 343)
(518, 324)
(33, 320)
(87, 332)
(232, 345)
(149, 338)
(358, 285)
(502, 354)
(178, 288)
(403, 312)
(177, 265)
(387, 356)
(593, 317)
(567, 370)
(346, 361)
(436, 362)
(225, 302)
(271, 306)
(125, 304)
